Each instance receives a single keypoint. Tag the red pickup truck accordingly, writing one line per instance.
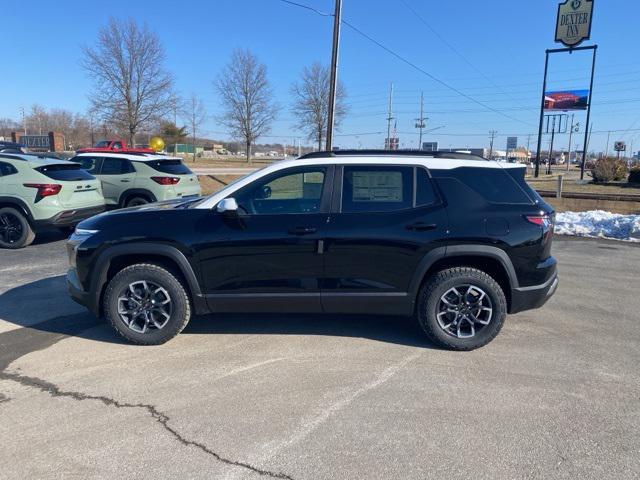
(118, 145)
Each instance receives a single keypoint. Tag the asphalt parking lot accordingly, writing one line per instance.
(556, 395)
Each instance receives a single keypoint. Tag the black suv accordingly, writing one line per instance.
(456, 240)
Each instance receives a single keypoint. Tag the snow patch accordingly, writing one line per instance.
(598, 223)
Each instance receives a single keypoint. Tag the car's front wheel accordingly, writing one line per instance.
(461, 308)
(147, 304)
(15, 231)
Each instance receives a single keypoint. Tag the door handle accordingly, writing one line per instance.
(125, 180)
(421, 226)
(302, 230)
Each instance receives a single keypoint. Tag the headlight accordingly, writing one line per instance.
(83, 232)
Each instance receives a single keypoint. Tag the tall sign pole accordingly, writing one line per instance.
(587, 131)
(333, 85)
(573, 26)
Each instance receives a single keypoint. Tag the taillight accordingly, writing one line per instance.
(44, 189)
(166, 180)
(541, 220)
(547, 222)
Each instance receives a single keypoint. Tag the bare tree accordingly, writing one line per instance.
(196, 116)
(131, 85)
(311, 102)
(247, 98)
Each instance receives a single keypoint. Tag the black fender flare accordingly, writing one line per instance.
(19, 204)
(103, 262)
(136, 191)
(452, 251)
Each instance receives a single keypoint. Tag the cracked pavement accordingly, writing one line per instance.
(556, 395)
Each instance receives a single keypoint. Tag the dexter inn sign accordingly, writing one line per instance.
(574, 22)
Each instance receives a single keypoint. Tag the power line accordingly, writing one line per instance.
(408, 62)
(453, 49)
(432, 77)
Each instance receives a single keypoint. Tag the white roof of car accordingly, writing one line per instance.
(136, 157)
(418, 160)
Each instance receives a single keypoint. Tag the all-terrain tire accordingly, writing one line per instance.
(15, 230)
(157, 275)
(435, 287)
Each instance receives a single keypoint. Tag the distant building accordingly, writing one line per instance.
(51, 142)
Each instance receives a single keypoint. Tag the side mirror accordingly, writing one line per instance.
(228, 207)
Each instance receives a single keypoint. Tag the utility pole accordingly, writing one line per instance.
(492, 134)
(553, 134)
(570, 134)
(24, 120)
(606, 152)
(334, 74)
(421, 121)
(389, 118)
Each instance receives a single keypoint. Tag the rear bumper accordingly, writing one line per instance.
(527, 298)
(69, 218)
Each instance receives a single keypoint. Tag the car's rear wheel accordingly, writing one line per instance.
(136, 201)
(15, 230)
(461, 308)
(147, 304)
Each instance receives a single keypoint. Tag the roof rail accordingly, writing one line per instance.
(394, 153)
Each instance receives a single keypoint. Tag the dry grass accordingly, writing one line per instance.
(548, 183)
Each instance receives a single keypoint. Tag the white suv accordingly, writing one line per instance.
(130, 179)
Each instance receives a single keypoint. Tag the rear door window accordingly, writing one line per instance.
(67, 173)
(116, 166)
(377, 188)
(172, 167)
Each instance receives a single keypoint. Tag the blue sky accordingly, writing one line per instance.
(492, 51)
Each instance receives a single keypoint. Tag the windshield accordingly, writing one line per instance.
(103, 144)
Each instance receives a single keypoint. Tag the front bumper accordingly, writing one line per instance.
(69, 218)
(528, 298)
(78, 295)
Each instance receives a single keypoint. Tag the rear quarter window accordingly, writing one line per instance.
(66, 173)
(173, 167)
(495, 185)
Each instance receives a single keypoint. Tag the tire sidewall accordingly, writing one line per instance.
(136, 201)
(180, 303)
(431, 298)
(27, 233)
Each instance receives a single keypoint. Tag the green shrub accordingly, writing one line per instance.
(634, 175)
(609, 170)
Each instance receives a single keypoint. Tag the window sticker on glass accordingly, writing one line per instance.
(377, 186)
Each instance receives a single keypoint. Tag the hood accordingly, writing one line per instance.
(139, 214)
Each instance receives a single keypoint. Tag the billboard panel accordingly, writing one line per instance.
(566, 100)
(512, 143)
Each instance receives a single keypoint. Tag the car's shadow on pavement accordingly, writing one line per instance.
(50, 236)
(44, 306)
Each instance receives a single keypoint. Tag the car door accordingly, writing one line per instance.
(268, 258)
(384, 220)
(116, 176)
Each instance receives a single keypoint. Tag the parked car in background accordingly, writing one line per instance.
(456, 242)
(118, 145)
(38, 193)
(11, 147)
(129, 179)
